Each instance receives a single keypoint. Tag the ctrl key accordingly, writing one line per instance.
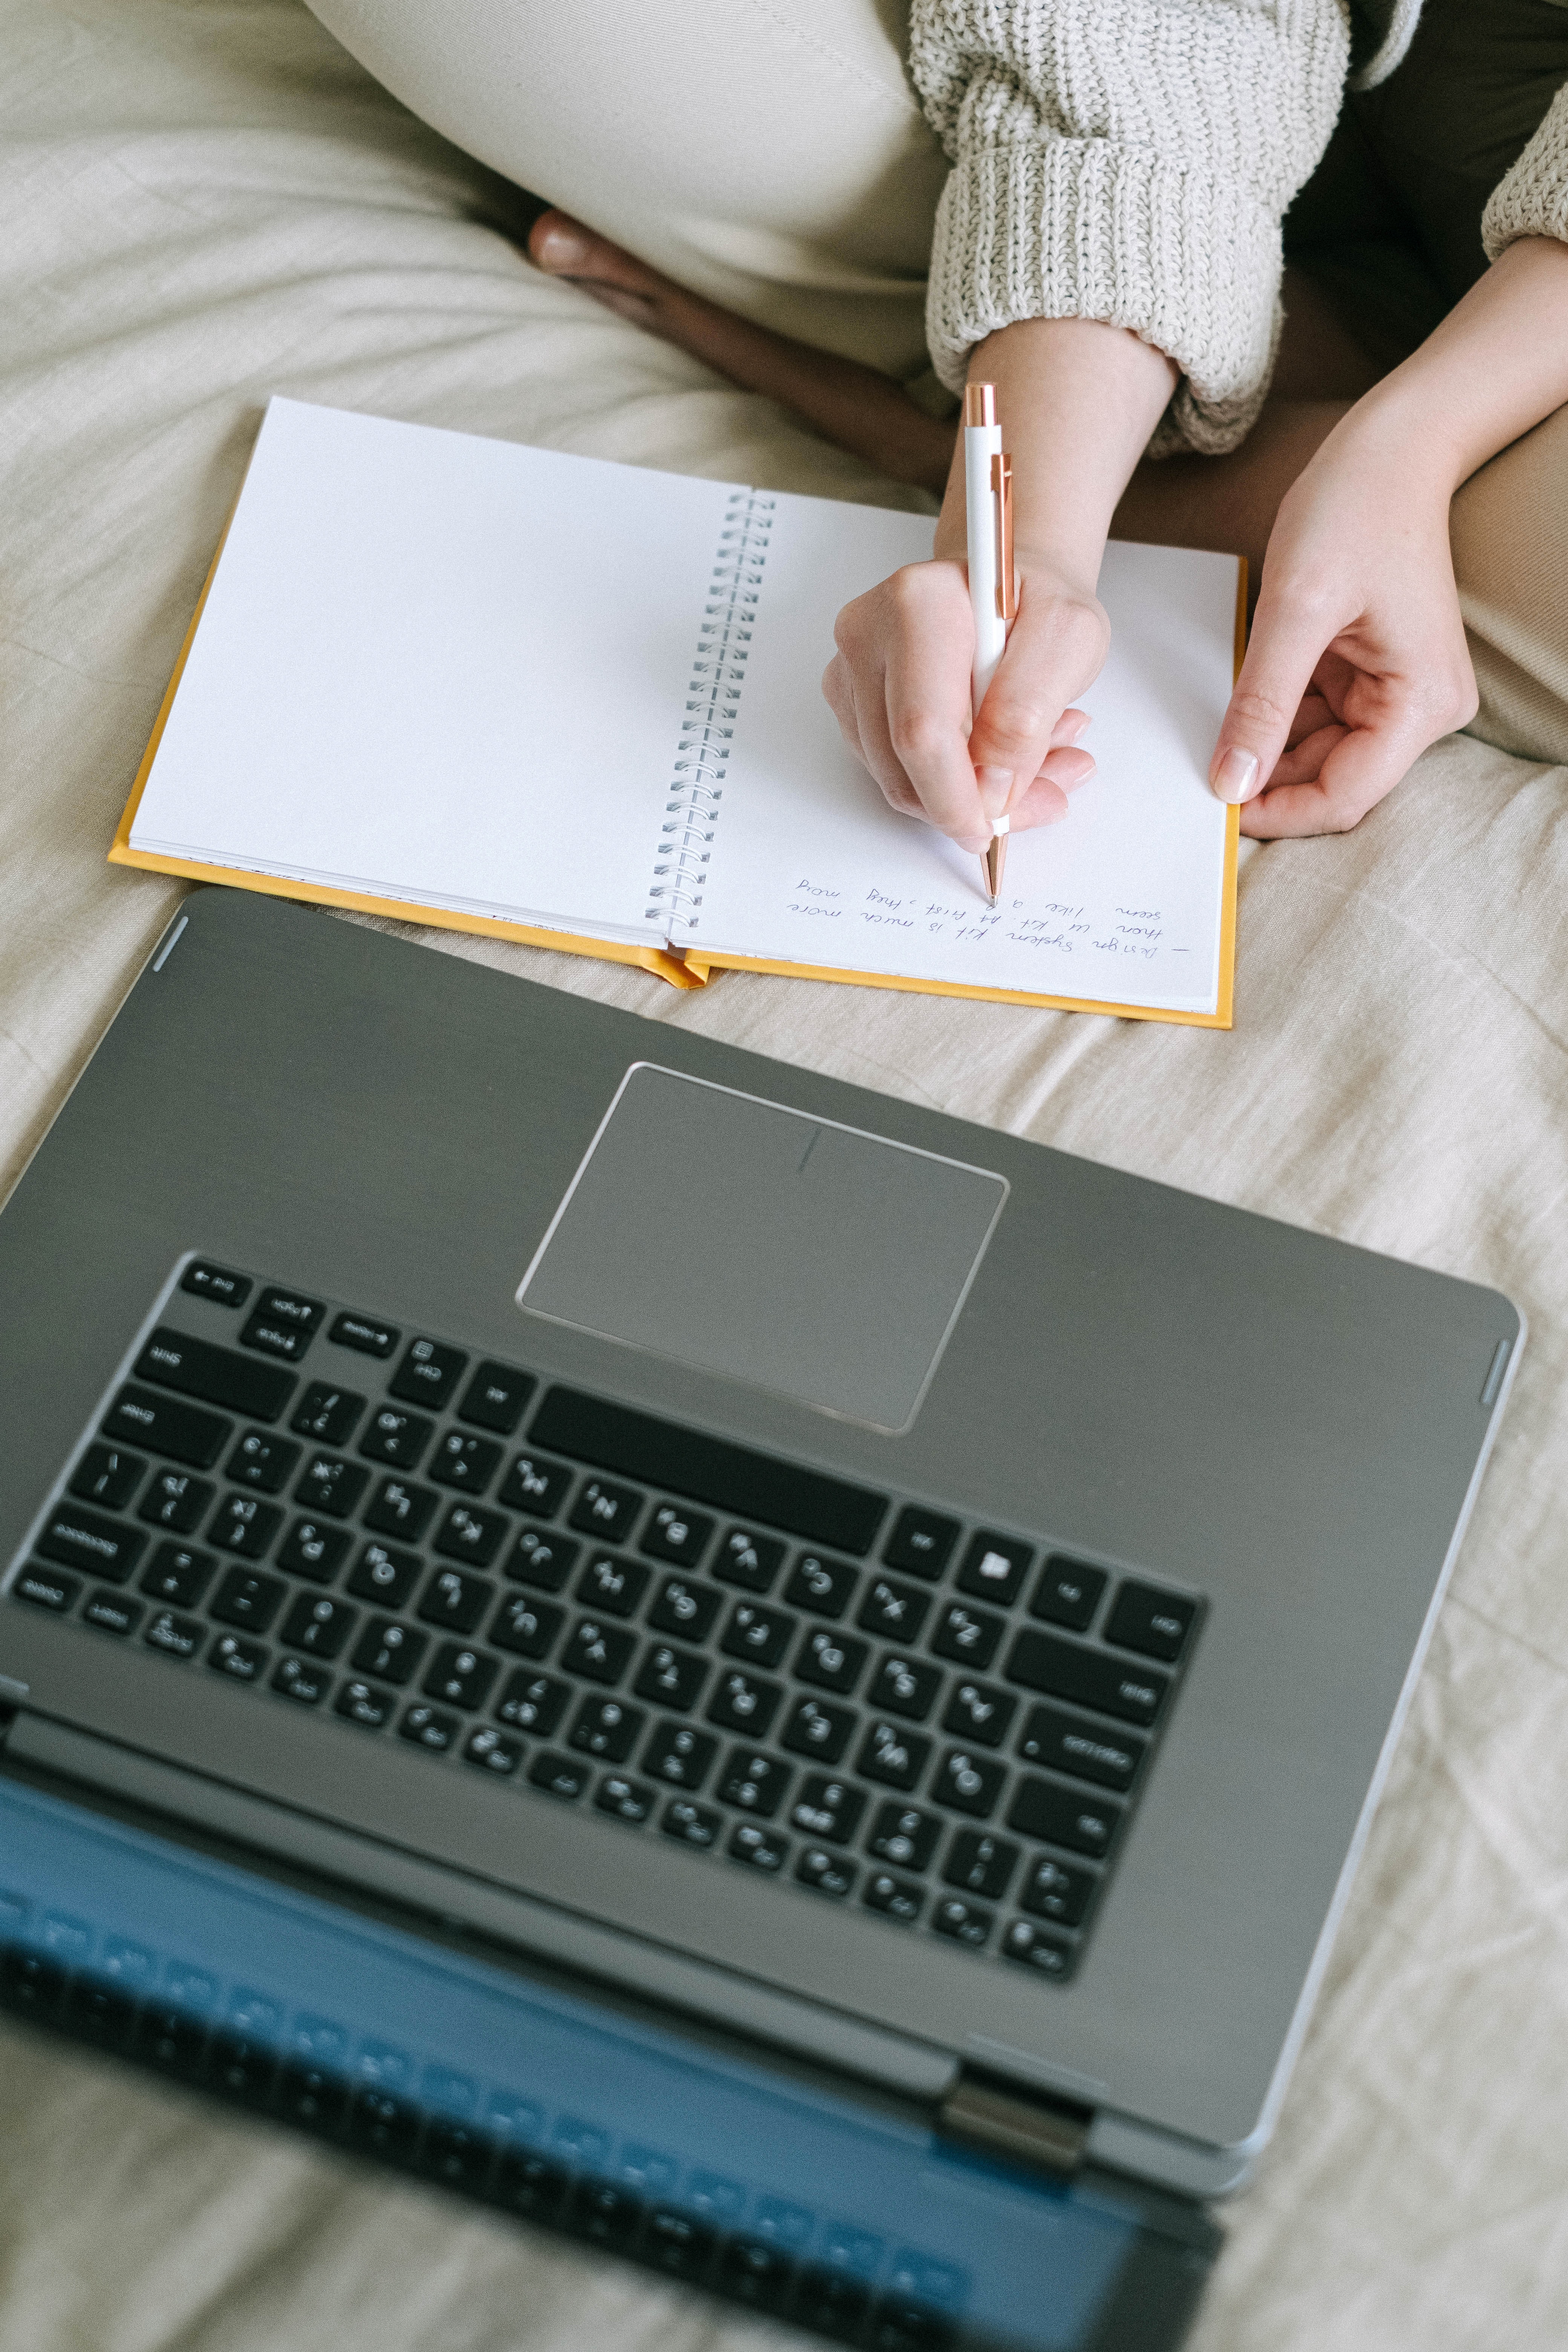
(46, 1588)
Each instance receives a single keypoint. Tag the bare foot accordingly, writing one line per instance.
(858, 408)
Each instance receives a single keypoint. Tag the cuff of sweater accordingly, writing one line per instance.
(1080, 228)
(1532, 198)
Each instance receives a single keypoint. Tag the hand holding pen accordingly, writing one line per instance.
(992, 581)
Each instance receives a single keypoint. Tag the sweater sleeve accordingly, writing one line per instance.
(1129, 160)
(1532, 197)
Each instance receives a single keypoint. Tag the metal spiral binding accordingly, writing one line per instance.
(713, 690)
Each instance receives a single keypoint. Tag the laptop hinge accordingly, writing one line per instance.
(1046, 2133)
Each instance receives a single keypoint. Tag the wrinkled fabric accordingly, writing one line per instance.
(206, 202)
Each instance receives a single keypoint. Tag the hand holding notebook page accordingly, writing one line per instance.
(389, 701)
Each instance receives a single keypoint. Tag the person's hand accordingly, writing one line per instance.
(899, 688)
(1357, 659)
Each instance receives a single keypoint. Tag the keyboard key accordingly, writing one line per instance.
(744, 1702)
(176, 1500)
(205, 1280)
(896, 1612)
(397, 1508)
(329, 1414)
(428, 1374)
(318, 1625)
(1065, 1817)
(693, 1824)
(112, 1612)
(754, 1781)
(816, 1728)
(826, 1872)
(396, 1437)
(969, 1783)
(1070, 1743)
(495, 1397)
(905, 1686)
(749, 1559)
(262, 1461)
(605, 1728)
(1068, 1593)
(995, 1568)
(685, 1609)
(241, 1661)
(832, 1661)
(544, 1561)
(461, 1677)
(677, 1753)
(470, 1533)
(979, 1863)
(605, 1510)
(534, 1702)
(966, 1922)
(920, 1542)
(677, 1534)
(181, 1432)
(312, 1549)
(612, 1585)
(825, 1587)
(895, 1898)
(248, 1600)
(386, 1574)
(560, 1776)
(306, 1685)
(602, 1653)
(671, 1677)
(979, 1711)
(494, 1751)
(758, 1634)
(454, 1601)
(102, 1546)
(176, 1574)
(429, 1727)
(526, 1627)
(903, 1834)
(176, 1637)
(892, 1755)
(389, 1652)
(1048, 1955)
(1061, 1670)
(1154, 1623)
(365, 1333)
(1056, 1890)
(365, 1703)
(629, 1800)
(970, 1635)
(537, 1486)
(108, 1475)
(241, 1524)
(331, 1484)
(753, 1843)
(212, 1376)
(827, 1808)
(465, 1461)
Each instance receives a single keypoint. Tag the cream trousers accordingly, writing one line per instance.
(772, 155)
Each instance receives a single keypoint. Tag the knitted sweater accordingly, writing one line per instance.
(1133, 160)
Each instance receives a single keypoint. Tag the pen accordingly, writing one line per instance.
(988, 515)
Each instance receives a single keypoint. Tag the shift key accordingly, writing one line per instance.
(1064, 1670)
(182, 1433)
(215, 1375)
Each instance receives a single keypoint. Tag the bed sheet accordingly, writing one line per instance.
(204, 202)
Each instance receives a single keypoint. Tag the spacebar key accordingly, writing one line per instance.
(217, 1376)
(1063, 1671)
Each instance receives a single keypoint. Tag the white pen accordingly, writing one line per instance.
(988, 515)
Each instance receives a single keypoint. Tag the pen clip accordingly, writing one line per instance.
(1002, 501)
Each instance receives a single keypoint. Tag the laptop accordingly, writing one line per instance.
(913, 1603)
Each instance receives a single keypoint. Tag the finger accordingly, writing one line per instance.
(1302, 762)
(1287, 640)
(1314, 711)
(1357, 774)
(927, 697)
(1045, 801)
(870, 747)
(1054, 649)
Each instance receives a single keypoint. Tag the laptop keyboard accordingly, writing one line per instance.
(943, 1724)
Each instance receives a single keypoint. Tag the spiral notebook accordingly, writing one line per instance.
(551, 698)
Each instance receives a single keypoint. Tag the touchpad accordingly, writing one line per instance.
(754, 1241)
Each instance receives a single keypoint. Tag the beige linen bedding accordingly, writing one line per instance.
(202, 202)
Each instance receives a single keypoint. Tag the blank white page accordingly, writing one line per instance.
(1121, 903)
(441, 669)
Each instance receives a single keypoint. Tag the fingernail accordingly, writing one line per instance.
(995, 789)
(562, 247)
(1234, 776)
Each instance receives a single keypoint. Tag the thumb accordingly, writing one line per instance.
(1284, 651)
